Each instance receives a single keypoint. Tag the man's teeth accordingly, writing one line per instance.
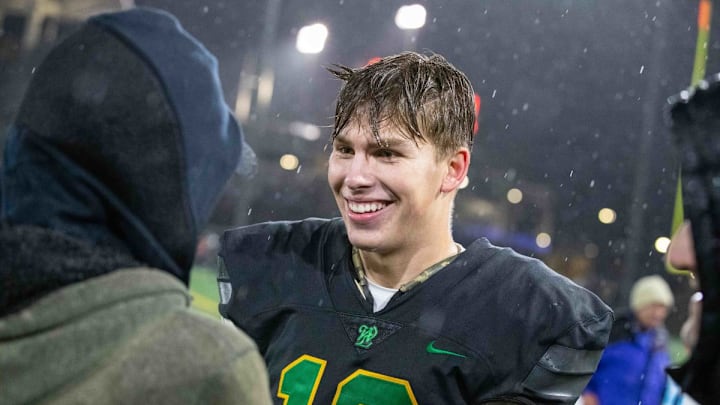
(362, 208)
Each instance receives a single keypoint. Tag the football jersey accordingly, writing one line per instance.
(491, 325)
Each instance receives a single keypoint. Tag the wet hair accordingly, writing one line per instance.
(423, 96)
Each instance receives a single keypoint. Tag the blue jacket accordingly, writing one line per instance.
(632, 368)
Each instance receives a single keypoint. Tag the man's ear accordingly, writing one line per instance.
(457, 168)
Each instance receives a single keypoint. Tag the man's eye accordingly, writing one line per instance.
(385, 153)
(343, 150)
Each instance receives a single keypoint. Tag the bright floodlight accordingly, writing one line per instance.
(304, 130)
(289, 161)
(311, 38)
(543, 240)
(410, 17)
(661, 244)
(514, 195)
(607, 215)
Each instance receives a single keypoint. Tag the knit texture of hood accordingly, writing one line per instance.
(123, 139)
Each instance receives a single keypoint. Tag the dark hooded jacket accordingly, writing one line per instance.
(120, 149)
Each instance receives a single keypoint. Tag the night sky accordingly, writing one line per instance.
(573, 113)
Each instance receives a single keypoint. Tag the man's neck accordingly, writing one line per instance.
(393, 269)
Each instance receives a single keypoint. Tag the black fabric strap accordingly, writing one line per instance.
(562, 373)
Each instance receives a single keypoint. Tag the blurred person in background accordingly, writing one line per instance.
(695, 123)
(121, 147)
(382, 306)
(632, 368)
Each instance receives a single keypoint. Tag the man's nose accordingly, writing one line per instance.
(360, 172)
(681, 252)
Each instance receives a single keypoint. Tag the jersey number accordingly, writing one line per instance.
(299, 381)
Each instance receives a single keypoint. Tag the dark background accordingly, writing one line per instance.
(573, 112)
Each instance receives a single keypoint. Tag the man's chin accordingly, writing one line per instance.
(363, 242)
(370, 238)
(364, 246)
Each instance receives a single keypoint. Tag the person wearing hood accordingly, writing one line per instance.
(120, 149)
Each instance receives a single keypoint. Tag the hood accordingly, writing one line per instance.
(123, 138)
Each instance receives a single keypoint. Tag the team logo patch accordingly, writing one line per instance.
(366, 333)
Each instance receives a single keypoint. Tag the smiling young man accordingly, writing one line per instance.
(382, 306)
(395, 192)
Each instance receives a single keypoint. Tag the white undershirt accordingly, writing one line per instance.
(381, 295)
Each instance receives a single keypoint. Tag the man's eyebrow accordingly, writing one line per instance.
(385, 141)
(394, 141)
(340, 138)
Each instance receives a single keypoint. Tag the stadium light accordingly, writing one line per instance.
(607, 215)
(661, 244)
(514, 195)
(410, 17)
(289, 162)
(543, 240)
(311, 38)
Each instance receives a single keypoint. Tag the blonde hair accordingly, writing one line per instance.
(425, 97)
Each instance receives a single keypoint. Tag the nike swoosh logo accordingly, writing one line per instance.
(434, 350)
